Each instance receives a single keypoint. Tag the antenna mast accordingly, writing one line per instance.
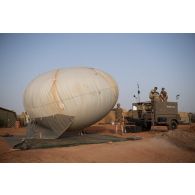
(138, 92)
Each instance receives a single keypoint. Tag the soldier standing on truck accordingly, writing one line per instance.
(163, 95)
(119, 118)
(154, 95)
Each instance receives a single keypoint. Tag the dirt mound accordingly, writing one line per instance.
(182, 138)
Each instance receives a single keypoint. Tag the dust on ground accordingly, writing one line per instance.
(157, 145)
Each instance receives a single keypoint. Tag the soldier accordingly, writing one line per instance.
(119, 118)
(163, 95)
(154, 95)
(27, 118)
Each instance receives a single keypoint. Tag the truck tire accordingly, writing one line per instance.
(172, 125)
(147, 126)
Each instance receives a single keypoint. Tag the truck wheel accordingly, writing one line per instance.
(147, 126)
(173, 125)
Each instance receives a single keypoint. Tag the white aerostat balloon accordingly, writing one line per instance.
(67, 100)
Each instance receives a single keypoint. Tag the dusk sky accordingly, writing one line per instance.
(162, 60)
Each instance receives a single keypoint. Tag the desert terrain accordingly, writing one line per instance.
(156, 146)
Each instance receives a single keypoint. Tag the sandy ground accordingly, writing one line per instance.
(158, 145)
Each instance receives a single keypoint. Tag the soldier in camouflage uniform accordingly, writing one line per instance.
(154, 95)
(119, 118)
(163, 95)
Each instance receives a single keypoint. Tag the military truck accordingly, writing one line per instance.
(143, 115)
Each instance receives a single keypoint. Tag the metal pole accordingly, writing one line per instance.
(138, 93)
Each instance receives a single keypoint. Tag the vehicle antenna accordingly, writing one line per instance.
(138, 92)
